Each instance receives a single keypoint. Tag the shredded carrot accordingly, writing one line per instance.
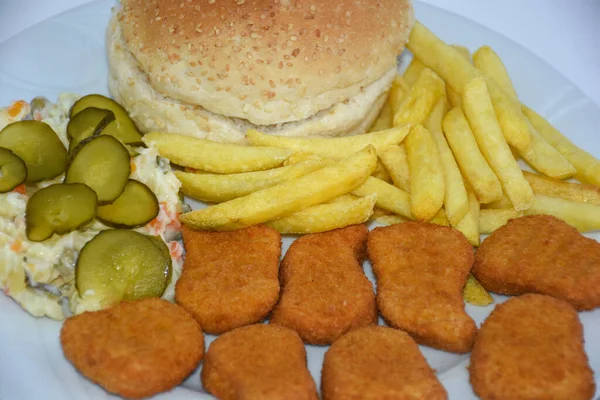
(21, 189)
(16, 246)
(16, 107)
(132, 166)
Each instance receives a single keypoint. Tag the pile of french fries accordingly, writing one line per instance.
(445, 149)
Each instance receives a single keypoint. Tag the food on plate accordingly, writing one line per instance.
(421, 269)
(454, 98)
(486, 60)
(587, 166)
(479, 111)
(89, 120)
(287, 197)
(135, 207)
(103, 164)
(384, 119)
(581, 193)
(389, 197)
(326, 217)
(412, 72)
(136, 349)
(230, 278)
(59, 208)
(379, 363)
(380, 172)
(456, 200)
(36, 143)
(13, 170)
(216, 188)
(531, 347)
(426, 174)
(258, 362)
(120, 265)
(493, 218)
(324, 290)
(210, 156)
(582, 216)
(420, 99)
(286, 69)
(473, 165)
(390, 219)
(475, 294)
(541, 254)
(336, 148)
(395, 160)
(41, 275)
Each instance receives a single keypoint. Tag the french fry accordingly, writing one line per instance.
(420, 99)
(336, 148)
(395, 160)
(389, 197)
(456, 201)
(215, 157)
(486, 60)
(583, 216)
(475, 294)
(492, 219)
(439, 219)
(581, 193)
(326, 217)
(382, 173)
(503, 202)
(378, 212)
(426, 175)
(473, 165)
(397, 94)
(463, 51)
(587, 166)
(384, 119)
(217, 188)
(453, 97)
(469, 225)
(287, 197)
(482, 119)
(414, 69)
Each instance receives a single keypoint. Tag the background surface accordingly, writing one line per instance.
(563, 33)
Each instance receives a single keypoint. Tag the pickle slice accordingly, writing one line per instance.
(37, 144)
(102, 163)
(13, 170)
(89, 122)
(123, 129)
(136, 206)
(120, 265)
(59, 208)
(157, 240)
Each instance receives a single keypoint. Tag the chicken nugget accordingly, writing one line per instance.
(135, 349)
(324, 291)
(530, 348)
(377, 362)
(541, 254)
(421, 269)
(258, 362)
(230, 278)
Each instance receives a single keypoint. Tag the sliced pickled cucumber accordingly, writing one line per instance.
(123, 129)
(89, 122)
(102, 163)
(13, 170)
(59, 208)
(136, 206)
(157, 240)
(120, 265)
(37, 144)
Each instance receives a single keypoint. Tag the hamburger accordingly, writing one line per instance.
(216, 68)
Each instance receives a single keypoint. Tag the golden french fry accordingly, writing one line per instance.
(335, 148)
(326, 217)
(215, 157)
(414, 69)
(395, 160)
(492, 219)
(469, 225)
(475, 294)
(453, 97)
(378, 212)
(584, 217)
(440, 218)
(486, 60)
(463, 51)
(426, 175)
(420, 99)
(287, 197)
(344, 197)
(503, 202)
(382, 173)
(216, 188)
(397, 94)
(587, 166)
(389, 197)
(456, 201)
(473, 165)
(578, 192)
(390, 219)
(384, 119)
(482, 119)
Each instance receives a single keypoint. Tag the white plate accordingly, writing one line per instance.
(66, 53)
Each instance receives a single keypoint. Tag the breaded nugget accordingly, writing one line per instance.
(541, 254)
(135, 349)
(230, 278)
(258, 362)
(421, 269)
(377, 362)
(324, 290)
(531, 348)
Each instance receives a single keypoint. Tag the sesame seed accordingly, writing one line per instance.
(293, 38)
(254, 35)
(157, 19)
(240, 2)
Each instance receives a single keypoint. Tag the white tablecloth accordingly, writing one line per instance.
(563, 33)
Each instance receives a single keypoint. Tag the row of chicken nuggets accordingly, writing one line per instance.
(320, 295)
